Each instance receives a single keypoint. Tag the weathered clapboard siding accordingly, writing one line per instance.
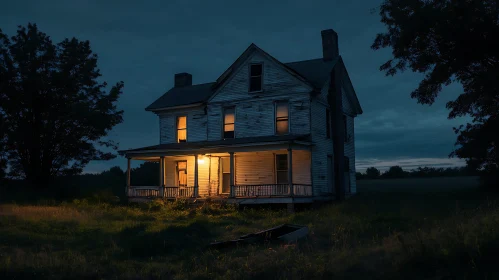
(323, 147)
(259, 167)
(276, 80)
(346, 103)
(350, 153)
(196, 125)
(256, 117)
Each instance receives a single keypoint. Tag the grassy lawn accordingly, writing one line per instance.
(410, 232)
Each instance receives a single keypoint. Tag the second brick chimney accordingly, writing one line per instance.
(329, 44)
(183, 79)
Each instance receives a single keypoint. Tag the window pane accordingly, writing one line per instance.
(281, 162)
(182, 165)
(229, 127)
(229, 115)
(181, 122)
(225, 164)
(182, 135)
(282, 127)
(282, 177)
(281, 110)
(256, 70)
(255, 83)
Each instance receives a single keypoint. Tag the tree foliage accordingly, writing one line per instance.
(56, 112)
(420, 172)
(451, 41)
(372, 173)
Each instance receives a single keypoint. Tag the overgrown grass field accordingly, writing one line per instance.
(408, 232)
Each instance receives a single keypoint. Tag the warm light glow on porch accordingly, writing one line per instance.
(201, 160)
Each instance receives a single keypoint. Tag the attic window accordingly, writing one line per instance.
(256, 81)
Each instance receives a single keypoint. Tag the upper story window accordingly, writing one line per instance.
(281, 118)
(345, 131)
(181, 129)
(256, 77)
(328, 124)
(229, 119)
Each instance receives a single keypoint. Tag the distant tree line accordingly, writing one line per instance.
(106, 185)
(420, 172)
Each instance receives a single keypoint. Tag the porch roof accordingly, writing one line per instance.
(219, 145)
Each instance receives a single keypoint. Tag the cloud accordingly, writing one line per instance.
(407, 163)
(146, 44)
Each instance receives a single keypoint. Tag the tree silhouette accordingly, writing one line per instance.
(451, 41)
(372, 173)
(395, 172)
(55, 110)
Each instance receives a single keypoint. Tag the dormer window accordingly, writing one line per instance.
(255, 79)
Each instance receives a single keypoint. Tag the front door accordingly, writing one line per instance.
(225, 174)
(181, 173)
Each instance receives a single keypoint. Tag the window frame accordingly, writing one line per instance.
(276, 103)
(251, 76)
(276, 170)
(177, 169)
(223, 121)
(177, 129)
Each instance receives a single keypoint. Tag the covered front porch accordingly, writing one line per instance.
(268, 170)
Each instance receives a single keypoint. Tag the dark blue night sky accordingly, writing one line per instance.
(144, 43)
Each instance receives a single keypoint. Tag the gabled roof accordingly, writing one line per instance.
(314, 72)
(181, 96)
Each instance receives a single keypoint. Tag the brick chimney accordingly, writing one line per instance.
(329, 44)
(183, 79)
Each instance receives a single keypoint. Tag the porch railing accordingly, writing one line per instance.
(169, 192)
(271, 190)
(176, 192)
(143, 191)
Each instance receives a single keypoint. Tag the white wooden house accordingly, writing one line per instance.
(263, 132)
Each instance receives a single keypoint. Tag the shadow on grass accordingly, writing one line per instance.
(137, 242)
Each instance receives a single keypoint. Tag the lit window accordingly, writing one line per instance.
(281, 118)
(255, 83)
(229, 118)
(281, 169)
(182, 129)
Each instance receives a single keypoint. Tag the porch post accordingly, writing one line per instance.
(232, 194)
(196, 176)
(290, 170)
(128, 177)
(161, 176)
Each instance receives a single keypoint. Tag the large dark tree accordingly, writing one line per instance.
(373, 173)
(451, 41)
(55, 109)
